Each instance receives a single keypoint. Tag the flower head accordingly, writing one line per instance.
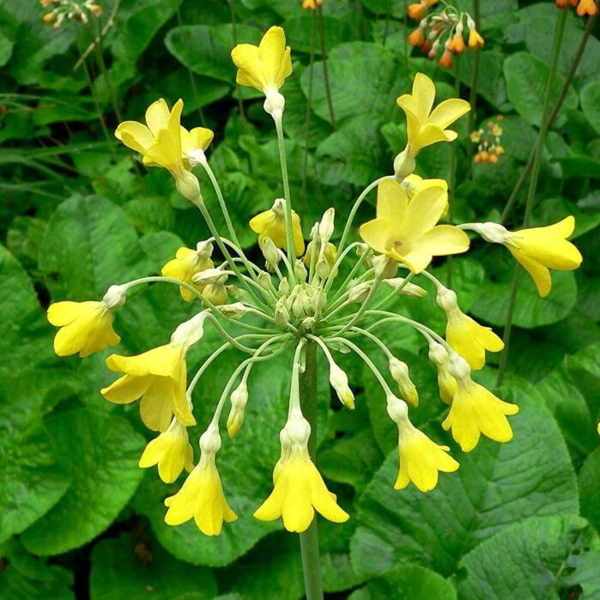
(299, 489)
(407, 231)
(426, 127)
(271, 224)
(171, 451)
(264, 67)
(163, 142)
(201, 496)
(475, 410)
(188, 263)
(86, 327)
(421, 459)
(587, 7)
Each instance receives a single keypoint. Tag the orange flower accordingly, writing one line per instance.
(446, 60)
(416, 38)
(457, 45)
(562, 3)
(587, 7)
(416, 11)
(475, 40)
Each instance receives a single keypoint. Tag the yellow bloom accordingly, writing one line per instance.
(266, 66)
(159, 378)
(86, 327)
(475, 411)
(271, 224)
(413, 184)
(171, 451)
(407, 231)
(163, 142)
(202, 499)
(186, 264)
(542, 248)
(424, 126)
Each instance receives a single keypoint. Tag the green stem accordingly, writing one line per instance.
(405, 33)
(238, 86)
(307, 119)
(535, 172)
(309, 540)
(474, 82)
(557, 106)
(291, 248)
(325, 71)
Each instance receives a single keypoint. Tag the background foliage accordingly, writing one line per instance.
(78, 213)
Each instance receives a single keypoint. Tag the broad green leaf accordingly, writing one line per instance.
(150, 215)
(27, 577)
(126, 568)
(160, 247)
(406, 583)
(585, 374)
(497, 484)
(89, 245)
(527, 560)
(336, 31)
(590, 104)
(334, 546)
(356, 84)
(526, 78)
(102, 453)
(6, 48)
(589, 488)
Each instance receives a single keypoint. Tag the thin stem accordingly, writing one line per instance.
(474, 82)
(325, 71)
(309, 540)
(553, 113)
(291, 248)
(338, 262)
(535, 172)
(359, 313)
(238, 86)
(102, 66)
(308, 114)
(405, 33)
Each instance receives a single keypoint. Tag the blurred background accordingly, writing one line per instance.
(79, 212)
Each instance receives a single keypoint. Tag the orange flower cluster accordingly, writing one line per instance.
(448, 24)
(69, 9)
(489, 149)
(584, 7)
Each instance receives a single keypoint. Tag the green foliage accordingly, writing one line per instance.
(79, 212)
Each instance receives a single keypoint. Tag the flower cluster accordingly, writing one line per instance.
(70, 9)
(443, 29)
(583, 7)
(489, 147)
(305, 305)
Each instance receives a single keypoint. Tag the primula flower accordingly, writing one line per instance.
(271, 224)
(542, 248)
(158, 377)
(467, 337)
(421, 459)
(475, 40)
(188, 263)
(446, 383)
(475, 410)
(163, 142)
(86, 327)
(299, 489)
(264, 67)
(407, 231)
(587, 7)
(417, 37)
(171, 451)
(312, 4)
(201, 496)
(426, 127)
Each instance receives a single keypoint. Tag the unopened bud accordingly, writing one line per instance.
(446, 299)
(397, 409)
(399, 372)
(239, 399)
(190, 332)
(115, 296)
(359, 293)
(270, 252)
(282, 315)
(319, 300)
(385, 267)
(406, 289)
(300, 271)
(404, 164)
(188, 186)
(264, 280)
(339, 382)
(233, 311)
(284, 287)
(326, 226)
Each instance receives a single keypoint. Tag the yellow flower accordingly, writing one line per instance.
(323, 267)
(475, 411)
(407, 231)
(312, 4)
(188, 263)
(202, 499)
(171, 451)
(266, 66)
(464, 334)
(413, 184)
(86, 327)
(159, 378)
(271, 224)
(163, 142)
(424, 126)
(542, 248)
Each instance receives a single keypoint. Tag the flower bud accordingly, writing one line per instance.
(190, 332)
(282, 315)
(300, 271)
(399, 372)
(239, 399)
(319, 300)
(233, 311)
(215, 293)
(326, 226)
(385, 268)
(404, 164)
(264, 280)
(115, 296)
(339, 382)
(359, 293)
(274, 104)
(188, 186)
(397, 409)
(270, 252)
(407, 289)
(446, 299)
(215, 275)
(284, 287)
(210, 440)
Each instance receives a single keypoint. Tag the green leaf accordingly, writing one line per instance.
(526, 78)
(585, 374)
(89, 245)
(102, 453)
(356, 84)
(497, 484)
(589, 488)
(590, 104)
(27, 577)
(526, 561)
(126, 568)
(406, 583)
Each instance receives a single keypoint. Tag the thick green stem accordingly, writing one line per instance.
(535, 173)
(309, 540)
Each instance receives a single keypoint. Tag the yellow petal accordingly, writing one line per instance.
(449, 111)
(163, 361)
(391, 201)
(539, 273)
(424, 210)
(199, 137)
(275, 57)
(443, 240)
(157, 116)
(126, 389)
(377, 234)
(156, 406)
(135, 136)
